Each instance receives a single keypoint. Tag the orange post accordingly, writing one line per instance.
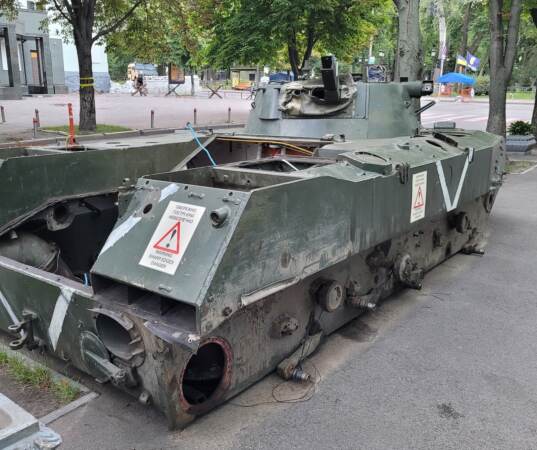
(71, 140)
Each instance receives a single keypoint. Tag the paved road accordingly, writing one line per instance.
(450, 367)
(121, 109)
(472, 115)
(134, 112)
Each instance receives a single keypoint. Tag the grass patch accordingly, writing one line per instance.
(521, 95)
(511, 96)
(101, 128)
(38, 377)
(518, 166)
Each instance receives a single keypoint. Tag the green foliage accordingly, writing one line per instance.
(118, 60)
(159, 32)
(258, 31)
(525, 69)
(482, 85)
(520, 127)
(65, 391)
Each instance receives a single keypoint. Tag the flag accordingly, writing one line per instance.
(461, 61)
(472, 61)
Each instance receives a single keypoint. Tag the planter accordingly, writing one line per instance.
(517, 143)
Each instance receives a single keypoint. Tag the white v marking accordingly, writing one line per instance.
(451, 205)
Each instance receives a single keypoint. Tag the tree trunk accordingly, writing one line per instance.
(409, 55)
(293, 59)
(503, 48)
(88, 121)
(310, 42)
(497, 97)
(442, 35)
(464, 31)
(534, 116)
(533, 13)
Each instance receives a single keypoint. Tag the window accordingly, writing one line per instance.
(3, 53)
(34, 6)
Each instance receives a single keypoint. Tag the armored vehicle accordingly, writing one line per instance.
(183, 270)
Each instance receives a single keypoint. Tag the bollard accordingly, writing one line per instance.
(3, 113)
(34, 130)
(195, 116)
(229, 115)
(37, 118)
(152, 119)
(71, 140)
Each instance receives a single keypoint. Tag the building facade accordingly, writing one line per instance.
(37, 61)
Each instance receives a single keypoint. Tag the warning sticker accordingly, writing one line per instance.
(419, 196)
(172, 236)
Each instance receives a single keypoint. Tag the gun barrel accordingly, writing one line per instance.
(330, 78)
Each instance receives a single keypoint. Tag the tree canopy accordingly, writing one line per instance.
(222, 33)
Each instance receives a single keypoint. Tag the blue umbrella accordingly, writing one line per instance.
(454, 77)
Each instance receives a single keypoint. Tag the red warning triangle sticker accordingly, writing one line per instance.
(419, 199)
(169, 243)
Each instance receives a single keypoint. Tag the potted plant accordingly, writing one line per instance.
(520, 138)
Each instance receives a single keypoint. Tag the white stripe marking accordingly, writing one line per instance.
(58, 317)
(167, 191)
(119, 232)
(437, 116)
(478, 119)
(7, 307)
(450, 206)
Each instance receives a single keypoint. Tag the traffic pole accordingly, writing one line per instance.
(71, 141)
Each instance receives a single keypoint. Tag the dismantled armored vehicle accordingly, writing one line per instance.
(184, 282)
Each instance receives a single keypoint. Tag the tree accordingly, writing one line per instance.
(88, 22)
(533, 12)
(504, 30)
(164, 34)
(256, 31)
(409, 58)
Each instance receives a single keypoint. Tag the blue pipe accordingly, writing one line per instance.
(195, 136)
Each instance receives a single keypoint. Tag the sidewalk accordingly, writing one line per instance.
(120, 109)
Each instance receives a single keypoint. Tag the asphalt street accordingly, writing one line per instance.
(472, 115)
(452, 366)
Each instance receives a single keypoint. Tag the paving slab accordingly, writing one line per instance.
(19, 430)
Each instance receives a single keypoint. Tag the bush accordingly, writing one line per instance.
(520, 127)
(481, 86)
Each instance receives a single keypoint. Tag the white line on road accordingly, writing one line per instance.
(478, 119)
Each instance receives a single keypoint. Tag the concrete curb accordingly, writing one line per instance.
(60, 140)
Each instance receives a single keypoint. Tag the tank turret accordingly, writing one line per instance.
(337, 105)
